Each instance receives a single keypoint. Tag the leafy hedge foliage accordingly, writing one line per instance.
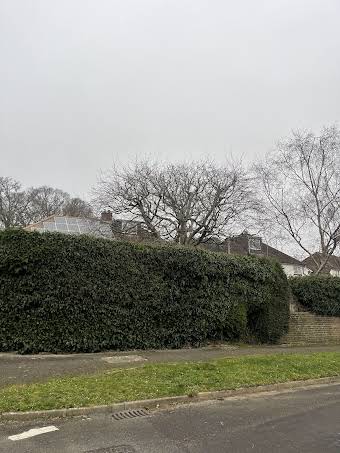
(319, 294)
(78, 293)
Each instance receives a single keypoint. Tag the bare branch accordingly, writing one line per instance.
(301, 188)
(186, 203)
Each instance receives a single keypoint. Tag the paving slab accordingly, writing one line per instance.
(120, 359)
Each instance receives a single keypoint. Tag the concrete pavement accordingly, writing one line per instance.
(21, 369)
(304, 421)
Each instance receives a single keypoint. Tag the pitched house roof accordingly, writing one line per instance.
(247, 244)
(282, 257)
(332, 264)
(105, 226)
(72, 225)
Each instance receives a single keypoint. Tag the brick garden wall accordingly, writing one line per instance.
(305, 327)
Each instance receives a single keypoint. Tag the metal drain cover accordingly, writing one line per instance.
(116, 449)
(133, 413)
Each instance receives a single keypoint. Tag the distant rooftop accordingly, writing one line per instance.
(72, 225)
(248, 244)
(332, 263)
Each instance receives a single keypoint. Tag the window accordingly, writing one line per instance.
(298, 270)
(254, 244)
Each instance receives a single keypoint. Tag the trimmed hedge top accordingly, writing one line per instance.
(78, 293)
(319, 294)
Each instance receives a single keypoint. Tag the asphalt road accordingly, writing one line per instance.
(303, 421)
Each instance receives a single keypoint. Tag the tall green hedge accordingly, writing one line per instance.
(78, 293)
(319, 294)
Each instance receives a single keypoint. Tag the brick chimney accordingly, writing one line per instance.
(106, 216)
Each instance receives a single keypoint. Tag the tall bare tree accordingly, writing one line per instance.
(301, 191)
(76, 207)
(13, 203)
(44, 202)
(187, 203)
(20, 207)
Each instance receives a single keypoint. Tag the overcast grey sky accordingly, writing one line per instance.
(86, 82)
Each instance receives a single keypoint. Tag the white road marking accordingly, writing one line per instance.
(33, 432)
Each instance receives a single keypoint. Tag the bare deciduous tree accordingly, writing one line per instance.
(76, 207)
(13, 203)
(19, 207)
(186, 203)
(301, 189)
(44, 202)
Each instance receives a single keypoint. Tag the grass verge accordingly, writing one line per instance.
(159, 380)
